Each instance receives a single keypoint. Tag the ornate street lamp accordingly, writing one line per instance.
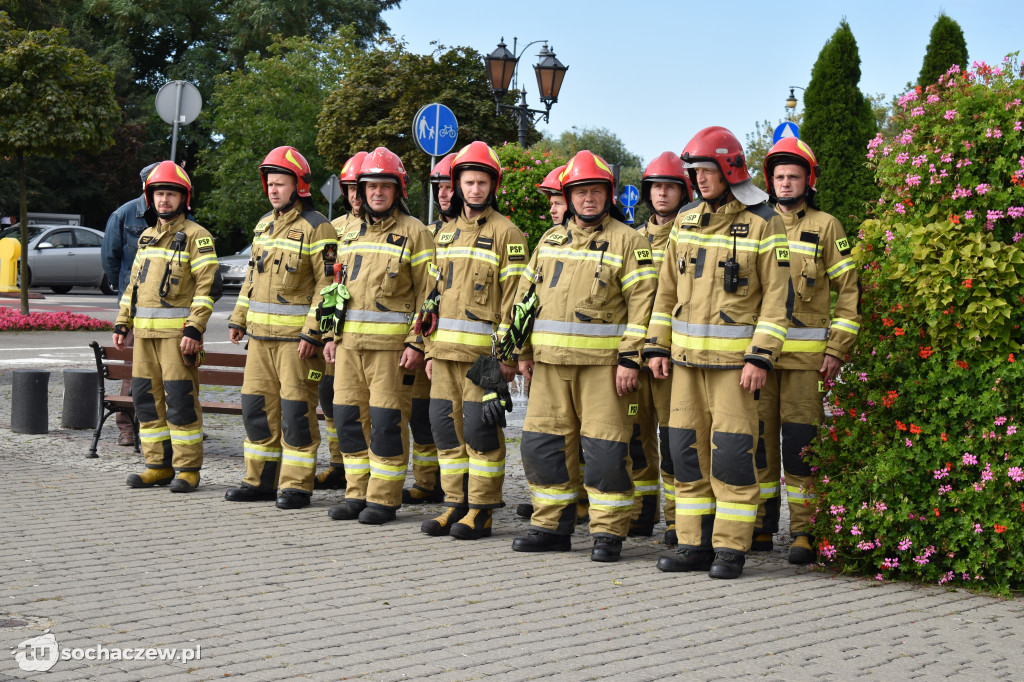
(502, 75)
(791, 100)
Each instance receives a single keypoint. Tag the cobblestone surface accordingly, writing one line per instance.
(272, 594)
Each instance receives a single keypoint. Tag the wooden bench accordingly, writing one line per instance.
(219, 369)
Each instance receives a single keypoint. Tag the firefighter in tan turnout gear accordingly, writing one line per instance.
(551, 187)
(721, 315)
(584, 304)
(426, 482)
(382, 270)
(333, 477)
(480, 258)
(293, 252)
(168, 303)
(791, 403)
(665, 188)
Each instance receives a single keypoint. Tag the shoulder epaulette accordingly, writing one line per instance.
(314, 218)
(763, 211)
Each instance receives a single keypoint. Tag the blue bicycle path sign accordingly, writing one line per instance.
(629, 196)
(435, 129)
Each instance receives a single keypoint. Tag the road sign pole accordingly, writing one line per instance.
(177, 117)
(430, 200)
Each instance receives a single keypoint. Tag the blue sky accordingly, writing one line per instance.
(656, 72)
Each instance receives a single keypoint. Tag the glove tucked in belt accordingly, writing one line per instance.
(523, 315)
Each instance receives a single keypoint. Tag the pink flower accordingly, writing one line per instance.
(968, 458)
(1016, 473)
(855, 531)
(917, 111)
(977, 528)
(986, 475)
(1016, 126)
(1010, 430)
(950, 113)
(905, 544)
(983, 188)
(902, 157)
(865, 545)
(995, 215)
(943, 489)
(946, 158)
(939, 474)
(890, 562)
(899, 208)
(1014, 103)
(913, 180)
(993, 132)
(968, 214)
(932, 99)
(1015, 212)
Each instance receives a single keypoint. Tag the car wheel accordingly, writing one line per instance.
(60, 290)
(106, 288)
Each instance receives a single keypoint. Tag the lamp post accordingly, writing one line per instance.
(791, 100)
(502, 75)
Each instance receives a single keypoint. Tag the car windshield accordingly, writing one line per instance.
(14, 232)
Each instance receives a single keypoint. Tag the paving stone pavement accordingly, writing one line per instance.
(268, 594)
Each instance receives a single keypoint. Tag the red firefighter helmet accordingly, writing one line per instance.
(168, 174)
(350, 171)
(717, 147)
(791, 150)
(477, 156)
(384, 164)
(587, 168)
(666, 167)
(552, 184)
(442, 170)
(287, 160)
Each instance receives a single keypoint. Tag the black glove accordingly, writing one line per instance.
(486, 373)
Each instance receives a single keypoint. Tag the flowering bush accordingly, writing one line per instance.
(518, 197)
(12, 320)
(921, 463)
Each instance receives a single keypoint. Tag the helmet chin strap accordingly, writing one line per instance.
(791, 201)
(168, 216)
(377, 216)
(720, 200)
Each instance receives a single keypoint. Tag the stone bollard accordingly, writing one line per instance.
(29, 401)
(81, 399)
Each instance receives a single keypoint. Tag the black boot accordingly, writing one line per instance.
(348, 510)
(727, 565)
(671, 539)
(538, 541)
(606, 549)
(687, 560)
(248, 493)
(332, 478)
(442, 525)
(474, 525)
(376, 516)
(763, 541)
(292, 499)
(524, 511)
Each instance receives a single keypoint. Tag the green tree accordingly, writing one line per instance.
(56, 101)
(252, 117)
(601, 141)
(382, 91)
(946, 47)
(838, 123)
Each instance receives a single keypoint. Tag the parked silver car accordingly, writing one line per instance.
(234, 267)
(63, 256)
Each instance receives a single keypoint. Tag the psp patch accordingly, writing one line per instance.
(349, 236)
(844, 246)
(516, 252)
(557, 238)
(446, 238)
(315, 375)
(643, 256)
(782, 256)
(204, 244)
(690, 219)
(633, 409)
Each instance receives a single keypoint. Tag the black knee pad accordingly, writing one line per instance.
(385, 431)
(636, 449)
(325, 393)
(479, 436)
(682, 446)
(142, 396)
(350, 431)
(606, 467)
(419, 421)
(794, 438)
(181, 408)
(544, 459)
(442, 426)
(295, 428)
(760, 453)
(731, 460)
(254, 417)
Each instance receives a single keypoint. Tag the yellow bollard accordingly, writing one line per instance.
(10, 252)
